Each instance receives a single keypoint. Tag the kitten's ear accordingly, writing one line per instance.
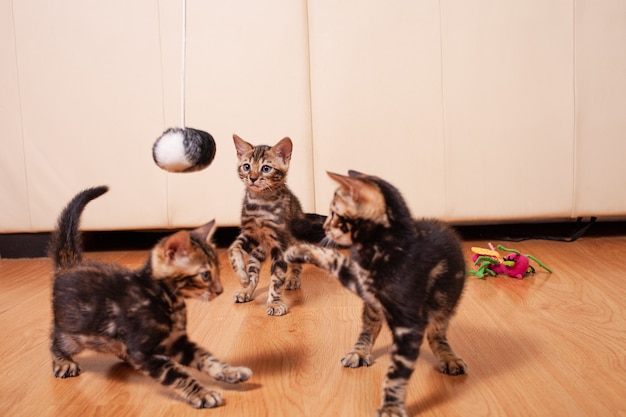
(356, 174)
(205, 233)
(283, 149)
(366, 196)
(241, 145)
(352, 185)
(176, 245)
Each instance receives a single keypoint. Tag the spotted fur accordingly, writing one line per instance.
(410, 273)
(268, 208)
(139, 316)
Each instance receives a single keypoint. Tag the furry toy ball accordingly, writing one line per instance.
(183, 150)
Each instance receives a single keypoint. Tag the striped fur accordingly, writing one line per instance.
(269, 207)
(410, 273)
(140, 315)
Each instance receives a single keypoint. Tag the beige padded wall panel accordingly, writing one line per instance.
(600, 108)
(376, 97)
(14, 210)
(508, 101)
(247, 73)
(92, 105)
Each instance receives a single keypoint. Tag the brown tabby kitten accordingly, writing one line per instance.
(268, 208)
(409, 272)
(140, 315)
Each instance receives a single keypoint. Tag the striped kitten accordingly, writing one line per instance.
(139, 315)
(268, 209)
(411, 273)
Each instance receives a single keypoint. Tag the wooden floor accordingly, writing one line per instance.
(548, 345)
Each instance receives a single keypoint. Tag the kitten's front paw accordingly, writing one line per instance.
(63, 368)
(223, 372)
(242, 295)
(299, 254)
(394, 411)
(235, 374)
(276, 308)
(356, 359)
(205, 399)
(454, 366)
(292, 284)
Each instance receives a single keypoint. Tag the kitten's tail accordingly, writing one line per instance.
(66, 244)
(310, 229)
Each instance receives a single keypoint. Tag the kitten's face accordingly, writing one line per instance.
(188, 261)
(355, 200)
(263, 168)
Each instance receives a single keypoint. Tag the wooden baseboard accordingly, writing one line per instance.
(35, 245)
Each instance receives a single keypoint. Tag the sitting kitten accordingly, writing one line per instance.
(268, 209)
(411, 273)
(140, 316)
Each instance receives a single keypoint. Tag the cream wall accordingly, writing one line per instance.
(90, 86)
(600, 114)
(246, 73)
(478, 111)
(14, 212)
(377, 98)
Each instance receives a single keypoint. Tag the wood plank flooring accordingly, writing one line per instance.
(549, 345)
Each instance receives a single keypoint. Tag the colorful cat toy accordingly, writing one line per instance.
(491, 262)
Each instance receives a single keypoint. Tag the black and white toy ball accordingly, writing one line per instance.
(183, 150)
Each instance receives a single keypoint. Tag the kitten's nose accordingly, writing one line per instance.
(253, 179)
(217, 287)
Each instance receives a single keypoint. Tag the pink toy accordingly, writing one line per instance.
(491, 262)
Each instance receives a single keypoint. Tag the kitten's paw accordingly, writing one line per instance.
(242, 295)
(205, 399)
(391, 411)
(233, 374)
(292, 284)
(299, 254)
(276, 308)
(454, 366)
(355, 359)
(63, 368)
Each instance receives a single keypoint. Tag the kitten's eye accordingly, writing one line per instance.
(206, 276)
(266, 168)
(245, 167)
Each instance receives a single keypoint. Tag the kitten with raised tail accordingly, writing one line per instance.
(137, 315)
(269, 207)
(408, 272)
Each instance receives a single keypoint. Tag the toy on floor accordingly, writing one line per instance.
(183, 150)
(491, 262)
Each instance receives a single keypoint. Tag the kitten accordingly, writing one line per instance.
(411, 273)
(268, 209)
(140, 315)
